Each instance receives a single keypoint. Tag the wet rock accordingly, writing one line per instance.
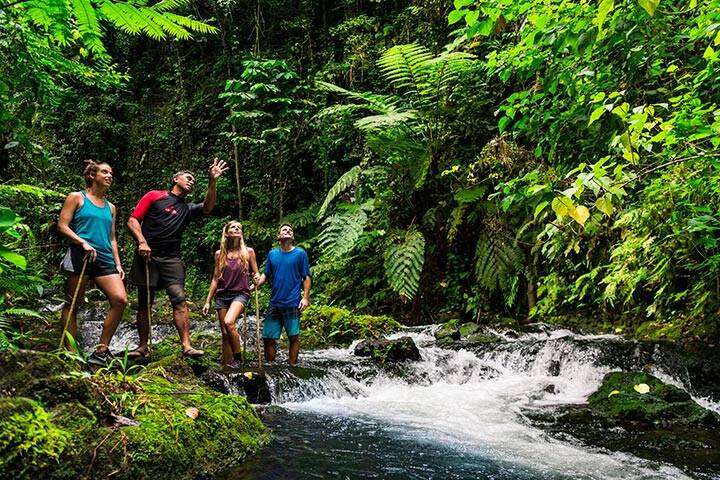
(551, 389)
(215, 381)
(447, 333)
(663, 424)
(618, 398)
(477, 339)
(256, 387)
(554, 368)
(383, 350)
(467, 329)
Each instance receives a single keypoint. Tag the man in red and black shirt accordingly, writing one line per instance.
(157, 223)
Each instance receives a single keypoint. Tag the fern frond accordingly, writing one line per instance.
(341, 231)
(379, 122)
(348, 179)
(300, 219)
(20, 312)
(168, 27)
(404, 263)
(167, 5)
(191, 24)
(120, 18)
(406, 66)
(88, 25)
(376, 103)
(497, 259)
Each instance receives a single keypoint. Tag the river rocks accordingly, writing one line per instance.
(383, 350)
(664, 424)
(114, 424)
(620, 397)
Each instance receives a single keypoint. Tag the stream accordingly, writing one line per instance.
(452, 415)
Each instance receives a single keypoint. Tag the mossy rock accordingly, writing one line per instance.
(19, 370)
(51, 437)
(210, 343)
(663, 404)
(477, 339)
(448, 332)
(324, 326)
(383, 351)
(467, 329)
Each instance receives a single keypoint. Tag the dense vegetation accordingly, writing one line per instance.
(476, 159)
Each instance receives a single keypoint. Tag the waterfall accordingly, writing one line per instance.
(472, 401)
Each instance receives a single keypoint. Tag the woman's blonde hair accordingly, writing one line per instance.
(225, 248)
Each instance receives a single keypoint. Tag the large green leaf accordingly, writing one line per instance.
(404, 262)
(12, 257)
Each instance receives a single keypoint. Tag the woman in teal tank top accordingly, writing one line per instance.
(87, 219)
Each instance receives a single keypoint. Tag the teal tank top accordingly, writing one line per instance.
(94, 225)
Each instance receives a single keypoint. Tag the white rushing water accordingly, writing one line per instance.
(472, 402)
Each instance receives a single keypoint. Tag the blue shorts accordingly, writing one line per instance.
(224, 299)
(276, 318)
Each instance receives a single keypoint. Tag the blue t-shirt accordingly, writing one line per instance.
(287, 270)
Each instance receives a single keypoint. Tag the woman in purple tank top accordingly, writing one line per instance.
(230, 285)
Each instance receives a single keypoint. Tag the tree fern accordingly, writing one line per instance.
(348, 179)
(88, 25)
(342, 230)
(405, 66)
(497, 259)
(404, 263)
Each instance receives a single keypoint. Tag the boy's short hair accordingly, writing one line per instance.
(285, 225)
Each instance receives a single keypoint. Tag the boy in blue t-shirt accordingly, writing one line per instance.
(289, 270)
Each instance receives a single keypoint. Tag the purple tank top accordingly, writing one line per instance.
(234, 278)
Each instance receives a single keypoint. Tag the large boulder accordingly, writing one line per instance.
(641, 397)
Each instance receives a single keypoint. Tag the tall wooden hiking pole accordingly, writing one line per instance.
(244, 334)
(257, 327)
(74, 300)
(149, 308)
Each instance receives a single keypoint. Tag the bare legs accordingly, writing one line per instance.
(113, 288)
(180, 317)
(271, 349)
(230, 336)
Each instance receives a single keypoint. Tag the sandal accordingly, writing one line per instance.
(137, 353)
(192, 353)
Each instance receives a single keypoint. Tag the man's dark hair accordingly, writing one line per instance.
(182, 172)
(285, 225)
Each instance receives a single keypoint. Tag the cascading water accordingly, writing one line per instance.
(454, 414)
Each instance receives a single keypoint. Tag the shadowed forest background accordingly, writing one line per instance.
(478, 160)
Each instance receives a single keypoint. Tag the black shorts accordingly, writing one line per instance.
(164, 271)
(73, 263)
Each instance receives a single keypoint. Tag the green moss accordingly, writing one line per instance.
(468, 329)
(226, 429)
(662, 404)
(210, 343)
(56, 436)
(30, 442)
(324, 326)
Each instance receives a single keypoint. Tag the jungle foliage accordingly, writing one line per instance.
(467, 160)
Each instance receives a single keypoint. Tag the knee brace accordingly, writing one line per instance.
(176, 294)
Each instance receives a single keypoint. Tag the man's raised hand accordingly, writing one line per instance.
(217, 168)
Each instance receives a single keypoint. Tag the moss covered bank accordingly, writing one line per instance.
(57, 421)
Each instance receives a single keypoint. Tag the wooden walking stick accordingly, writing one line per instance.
(244, 335)
(257, 327)
(74, 300)
(149, 308)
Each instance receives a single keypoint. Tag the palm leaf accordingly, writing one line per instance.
(404, 263)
